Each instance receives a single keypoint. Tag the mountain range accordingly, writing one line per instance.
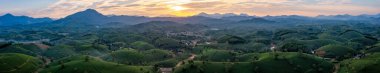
(218, 15)
(91, 16)
(9, 19)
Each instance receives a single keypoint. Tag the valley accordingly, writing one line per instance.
(91, 42)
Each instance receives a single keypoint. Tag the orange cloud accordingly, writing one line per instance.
(63, 8)
(203, 4)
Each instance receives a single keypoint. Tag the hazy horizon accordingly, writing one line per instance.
(181, 8)
(211, 15)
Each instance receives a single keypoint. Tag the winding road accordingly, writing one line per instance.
(181, 62)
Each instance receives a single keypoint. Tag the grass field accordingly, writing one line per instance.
(291, 62)
(78, 64)
(18, 63)
(369, 64)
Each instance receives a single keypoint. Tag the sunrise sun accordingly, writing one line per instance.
(178, 8)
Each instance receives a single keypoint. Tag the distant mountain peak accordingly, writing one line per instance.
(220, 15)
(202, 14)
(90, 16)
(8, 15)
(9, 19)
(90, 9)
(88, 13)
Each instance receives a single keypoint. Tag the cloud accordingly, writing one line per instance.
(124, 2)
(203, 4)
(132, 5)
(156, 8)
(306, 7)
(63, 8)
(108, 7)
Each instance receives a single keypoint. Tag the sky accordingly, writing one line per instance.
(153, 8)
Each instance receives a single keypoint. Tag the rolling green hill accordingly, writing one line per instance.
(18, 63)
(125, 56)
(336, 51)
(217, 55)
(369, 64)
(86, 64)
(291, 62)
(29, 49)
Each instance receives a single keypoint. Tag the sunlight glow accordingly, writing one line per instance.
(178, 8)
(182, 13)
